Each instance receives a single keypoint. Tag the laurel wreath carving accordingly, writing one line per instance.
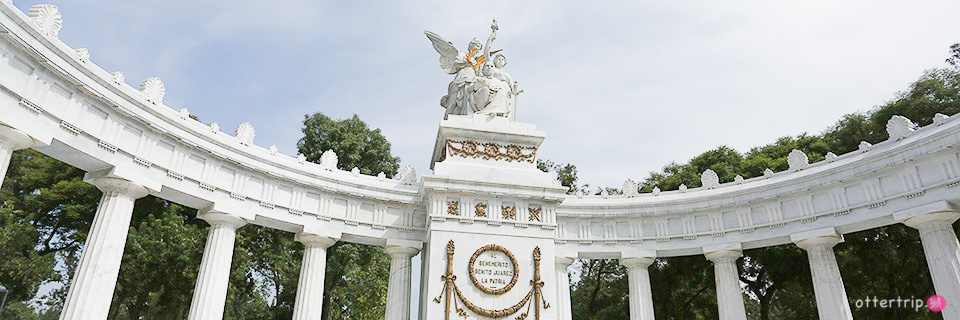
(455, 296)
(513, 261)
(492, 150)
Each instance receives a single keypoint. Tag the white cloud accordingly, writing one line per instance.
(621, 87)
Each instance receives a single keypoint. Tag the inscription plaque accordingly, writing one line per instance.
(493, 269)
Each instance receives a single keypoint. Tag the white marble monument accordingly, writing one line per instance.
(495, 234)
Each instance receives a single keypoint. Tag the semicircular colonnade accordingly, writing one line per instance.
(54, 100)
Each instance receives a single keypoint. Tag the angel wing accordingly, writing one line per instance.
(448, 52)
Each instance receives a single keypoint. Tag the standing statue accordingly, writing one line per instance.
(479, 87)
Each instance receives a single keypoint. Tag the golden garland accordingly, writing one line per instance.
(492, 150)
(450, 288)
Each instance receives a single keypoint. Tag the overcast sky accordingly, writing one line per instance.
(621, 88)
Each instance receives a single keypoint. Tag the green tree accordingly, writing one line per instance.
(356, 279)
(565, 172)
(46, 213)
(160, 262)
(600, 293)
(356, 145)
(954, 59)
(776, 279)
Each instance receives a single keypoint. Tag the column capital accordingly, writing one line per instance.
(220, 218)
(314, 240)
(724, 256)
(564, 260)
(826, 237)
(123, 173)
(121, 186)
(929, 215)
(636, 262)
(403, 247)
(16, 139)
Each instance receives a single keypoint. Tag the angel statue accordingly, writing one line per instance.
(479, 87)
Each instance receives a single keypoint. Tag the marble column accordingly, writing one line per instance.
(641, 297)
(10, 140)
(729, 298)
(398, 289)
(96, 275)
(831, 297)
(564, 307)
(941, 248)
(309, 300)
(210, 292)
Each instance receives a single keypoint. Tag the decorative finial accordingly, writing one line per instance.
(83, 55)
(47, 19)
(939, 119)
(245, 133)
(153, 90)
(118, 77)
(630, 188)
(899, 127)
(408, 175)
(709, 179)
(328, 160)
(797, 160)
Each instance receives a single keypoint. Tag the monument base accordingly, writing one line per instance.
(491, 223)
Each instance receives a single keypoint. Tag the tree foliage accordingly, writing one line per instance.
(776, 279)
(46, 211)
(356, 145)
(356, 279)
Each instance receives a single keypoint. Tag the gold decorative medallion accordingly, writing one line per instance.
(534, 214)
(481, 210)
(508, 213)
(493, 269)
(451, 294)
(453, 208)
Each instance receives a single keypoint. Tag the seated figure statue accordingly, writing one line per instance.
(478, 87)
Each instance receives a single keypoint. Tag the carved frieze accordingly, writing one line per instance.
(534, 214)
(453, 208)
(509, 213)
(481, 210)
(491, 150)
